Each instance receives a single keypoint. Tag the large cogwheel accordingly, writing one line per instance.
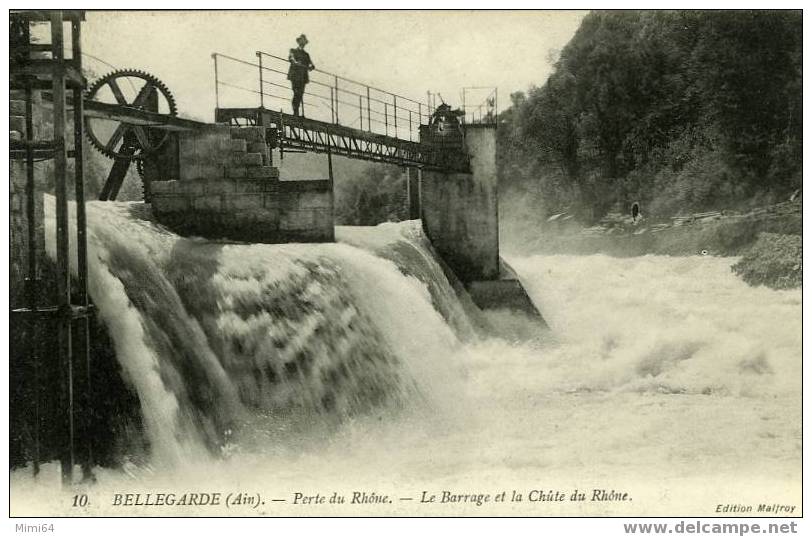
(116, 139)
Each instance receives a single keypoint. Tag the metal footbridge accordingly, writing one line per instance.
(340, 115)
(288, 133)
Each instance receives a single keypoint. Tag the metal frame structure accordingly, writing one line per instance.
(299, 133)
(68, 312)
(490, 105)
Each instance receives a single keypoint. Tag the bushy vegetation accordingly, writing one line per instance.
(376, 194)
(682, 111)
(775, 260)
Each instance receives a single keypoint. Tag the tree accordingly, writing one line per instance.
(641, 100)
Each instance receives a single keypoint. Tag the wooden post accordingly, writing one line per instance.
(83, 299)
(63, 284)
(32, 281)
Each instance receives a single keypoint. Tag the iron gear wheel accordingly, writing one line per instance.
(144, 141)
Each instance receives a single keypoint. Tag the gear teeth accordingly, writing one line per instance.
(135, 73)
(145, 193)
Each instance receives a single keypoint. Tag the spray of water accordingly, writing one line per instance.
(355, 365)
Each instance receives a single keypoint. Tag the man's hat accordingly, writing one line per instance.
(302, 39)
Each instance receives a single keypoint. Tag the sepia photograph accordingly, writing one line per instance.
(406, 263)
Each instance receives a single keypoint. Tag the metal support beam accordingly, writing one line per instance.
(138, 117)
(330, 175)
(296, 132)
(118, 171)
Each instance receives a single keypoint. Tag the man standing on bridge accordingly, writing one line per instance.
(300, 65)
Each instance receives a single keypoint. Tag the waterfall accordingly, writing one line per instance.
(211, 334)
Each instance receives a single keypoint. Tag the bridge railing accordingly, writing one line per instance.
(480, 104)
(328, 97)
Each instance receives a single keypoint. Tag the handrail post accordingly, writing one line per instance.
(332, 106)
(410, 125)
(261, 90)
(360, 113)
(395, 101)
(386, 118)
(335, 83)
(419, 113)
(369, 115)
(281, 136)
(216, 83)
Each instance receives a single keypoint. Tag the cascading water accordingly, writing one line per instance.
(353, 366)
(211, 334)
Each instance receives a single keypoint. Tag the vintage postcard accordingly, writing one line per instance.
(406, 263)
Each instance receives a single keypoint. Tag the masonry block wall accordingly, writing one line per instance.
(459, 210)
(227, 189)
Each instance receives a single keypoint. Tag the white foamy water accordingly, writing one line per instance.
(352, 367)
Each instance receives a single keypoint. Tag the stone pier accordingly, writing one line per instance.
(226, 188)
(460, 213)
(460, 210)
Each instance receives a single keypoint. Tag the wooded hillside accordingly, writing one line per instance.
(680, 111)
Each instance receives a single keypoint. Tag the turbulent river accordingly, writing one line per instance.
(353, 367)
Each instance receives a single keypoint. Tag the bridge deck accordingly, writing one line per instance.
(300, 133)
(287, 131)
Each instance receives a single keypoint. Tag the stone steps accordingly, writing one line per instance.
(225, 152)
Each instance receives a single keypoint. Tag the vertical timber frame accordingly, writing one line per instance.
(81, 290)
(63, 283)
(32, 281)
(67, 312)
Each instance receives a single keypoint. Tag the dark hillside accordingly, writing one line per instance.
(682, 111)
